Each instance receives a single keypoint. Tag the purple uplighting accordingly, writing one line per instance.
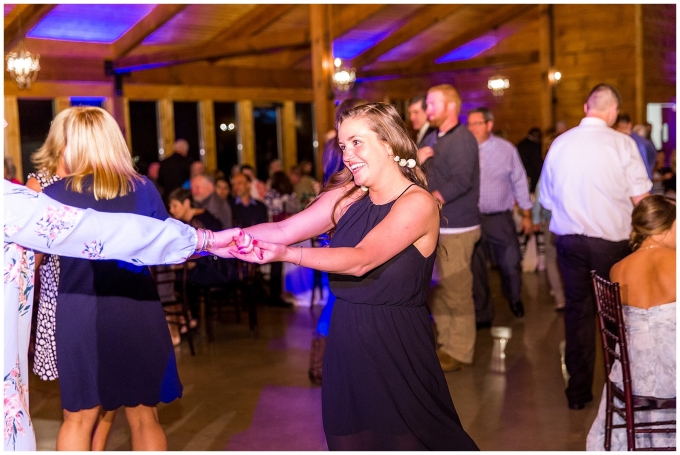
(89, 23)
(469, 50)
(347, 48)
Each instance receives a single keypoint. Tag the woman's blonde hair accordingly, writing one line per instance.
(46, 158)
(653, 215)
(95, 146)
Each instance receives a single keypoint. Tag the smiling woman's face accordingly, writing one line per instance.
(362, 152)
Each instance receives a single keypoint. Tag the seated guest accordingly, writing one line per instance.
(196, 168)
(257, 187)
(223, 188)
(208, 271)
(246, 210)
(647, 283)
(203, 191)
(281, 203)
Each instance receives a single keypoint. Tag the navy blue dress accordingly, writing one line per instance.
(383, 387)
(113, 344)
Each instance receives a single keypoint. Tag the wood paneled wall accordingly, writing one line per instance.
(659, 53)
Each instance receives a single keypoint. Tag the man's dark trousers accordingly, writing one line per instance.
(500, 236)
(577, 255)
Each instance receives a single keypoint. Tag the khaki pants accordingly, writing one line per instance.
(451, 300)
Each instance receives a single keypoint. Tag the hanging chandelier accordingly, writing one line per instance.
(343, 76)
(23, 66)
(497, 84)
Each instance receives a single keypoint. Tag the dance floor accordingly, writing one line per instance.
(242, 393)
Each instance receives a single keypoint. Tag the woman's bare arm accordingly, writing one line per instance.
(414, 219)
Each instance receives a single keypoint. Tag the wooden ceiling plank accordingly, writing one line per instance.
(254, 21)
(158, 16)
(214, 50)
(500, 60)
(27, 18)
(425, 17)
(503, 15)
(346, 18)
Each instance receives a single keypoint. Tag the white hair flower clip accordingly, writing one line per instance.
(411, 163)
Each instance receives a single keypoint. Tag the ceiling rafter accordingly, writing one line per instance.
(146, 26)
(424, 18)
(262, 43)
(503, 15)
(500, 60)
(26, 18)
(254, 21)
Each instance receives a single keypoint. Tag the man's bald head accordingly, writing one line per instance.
(603, 102)
(181, 147)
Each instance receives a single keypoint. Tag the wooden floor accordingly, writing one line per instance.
(242, 393)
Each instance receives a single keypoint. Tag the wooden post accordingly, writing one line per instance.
(12, 134)
(119, 108)
(246, 133)
(289, 133)
(206, 119)
(640, 109)
(60, 103)
(545, 61)
(166, 127)
(321, 74)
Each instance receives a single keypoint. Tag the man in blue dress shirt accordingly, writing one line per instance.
(502, 182)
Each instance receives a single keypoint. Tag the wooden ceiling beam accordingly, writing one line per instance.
(496, 61)
(156, 18)
(503, 15)
(215, 50)
(20, 23)
(254, 21)
(424, 18)
(343, 19)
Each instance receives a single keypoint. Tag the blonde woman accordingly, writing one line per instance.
(113, 345)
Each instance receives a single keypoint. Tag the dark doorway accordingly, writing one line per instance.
(35, 118)
(226, 136)
(266, 139)
(186, 126)
(144, 133)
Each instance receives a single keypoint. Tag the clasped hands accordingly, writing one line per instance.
(241, 245)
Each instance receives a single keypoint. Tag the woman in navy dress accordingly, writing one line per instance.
(113, 344)
(383, 387)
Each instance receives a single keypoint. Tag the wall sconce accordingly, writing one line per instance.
(554, 76)
(343, 76)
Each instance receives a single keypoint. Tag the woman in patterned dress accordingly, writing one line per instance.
(34, 221)
(49, 162)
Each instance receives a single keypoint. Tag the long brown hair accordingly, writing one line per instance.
(384, 120)
(653, 215)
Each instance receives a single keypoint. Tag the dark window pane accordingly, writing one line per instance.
(226, 136)
(304, 131)
(186, 126)
(266, 139)
(144, 133)
(35, 118)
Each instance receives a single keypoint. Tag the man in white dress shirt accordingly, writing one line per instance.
(418, 118)
(592, 177)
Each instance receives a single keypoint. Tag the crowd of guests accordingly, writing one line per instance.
(473, 192)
